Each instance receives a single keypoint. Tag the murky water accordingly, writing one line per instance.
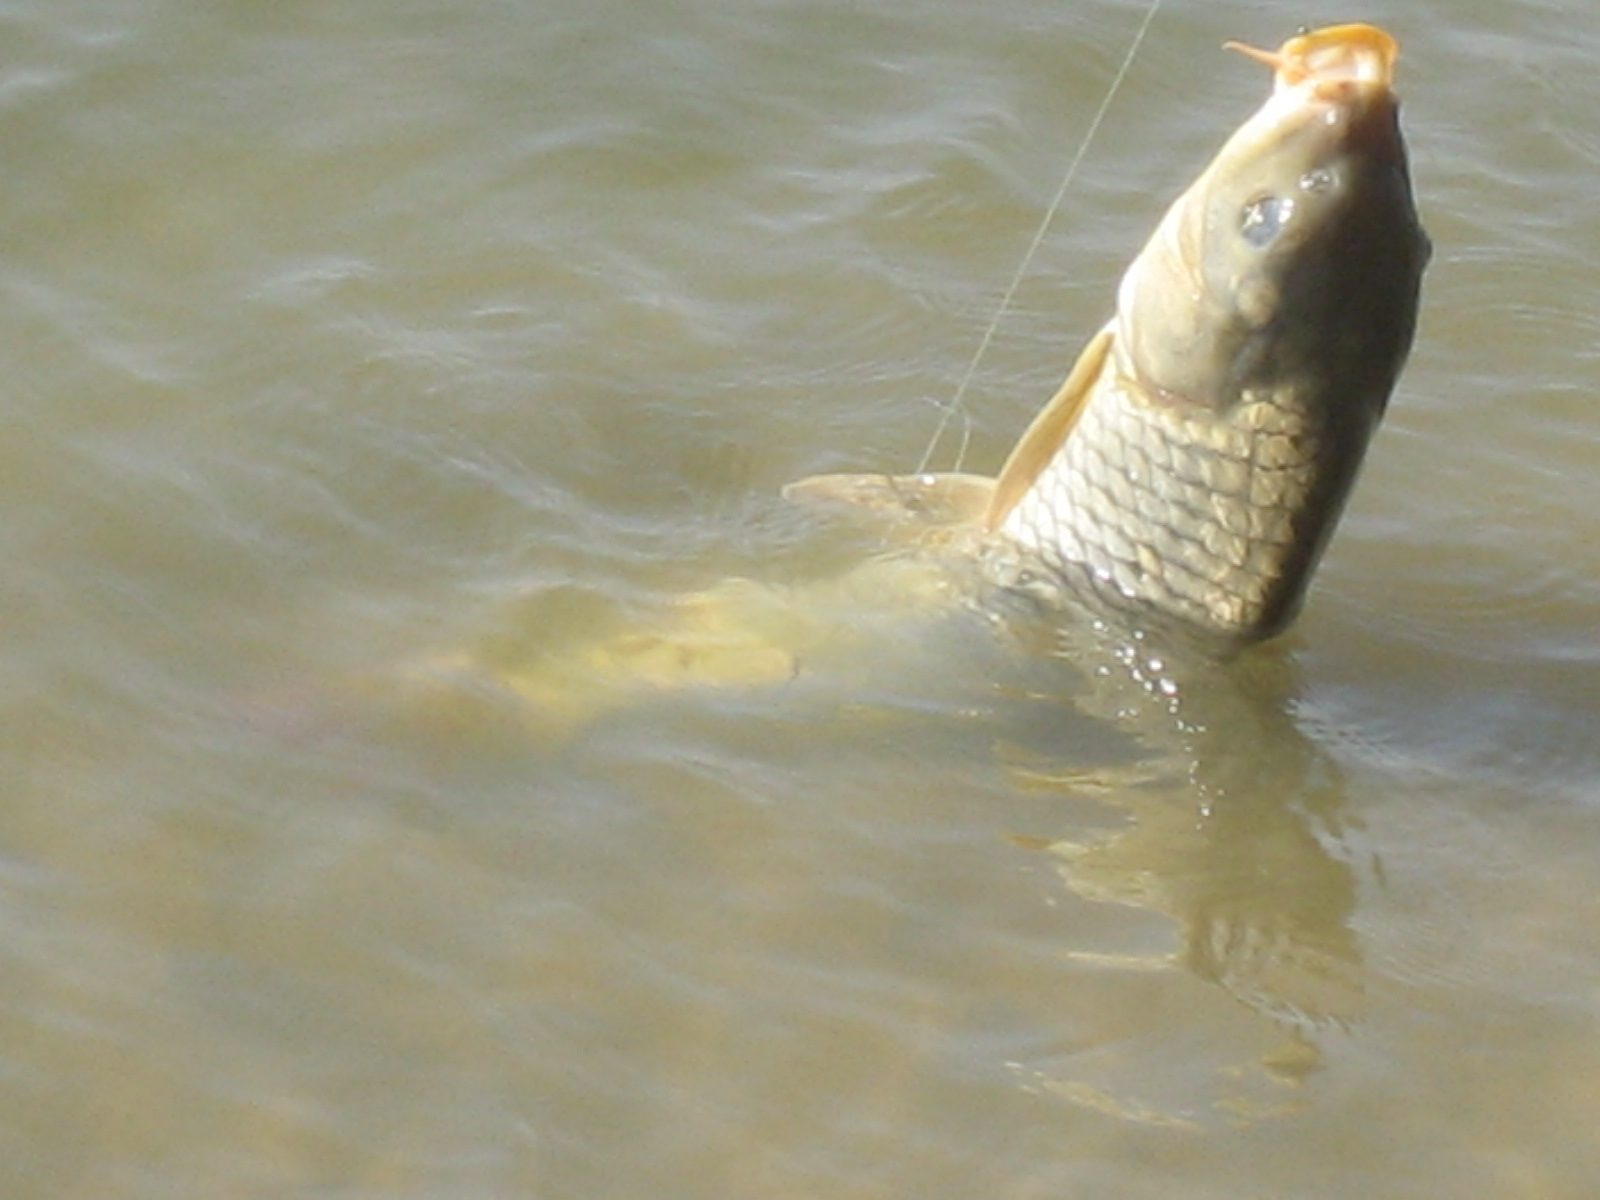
(350, 335)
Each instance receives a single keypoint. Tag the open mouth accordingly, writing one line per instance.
(1330, 59)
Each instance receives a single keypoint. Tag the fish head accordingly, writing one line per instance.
(1293, 263)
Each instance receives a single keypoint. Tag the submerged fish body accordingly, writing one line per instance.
(1192, 468)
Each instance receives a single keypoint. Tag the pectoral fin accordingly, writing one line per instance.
(1048, 431)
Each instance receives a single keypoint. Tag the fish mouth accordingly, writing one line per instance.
(1329, 63)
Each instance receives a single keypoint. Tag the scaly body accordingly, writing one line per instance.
(1162, 511)
(1193, 466)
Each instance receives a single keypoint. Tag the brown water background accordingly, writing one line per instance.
(339, 335)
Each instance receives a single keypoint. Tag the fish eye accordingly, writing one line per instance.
(1264, 218)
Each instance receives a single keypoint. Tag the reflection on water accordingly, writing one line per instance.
(1225, 833)
(1228, 823)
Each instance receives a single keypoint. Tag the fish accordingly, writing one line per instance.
(1191, 470)
(1185, 478)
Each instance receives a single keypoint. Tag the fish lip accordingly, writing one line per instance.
(1331, 74)
(1334, 55)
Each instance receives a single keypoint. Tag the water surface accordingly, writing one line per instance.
(341, 337)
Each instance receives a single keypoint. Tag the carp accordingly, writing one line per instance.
(1192, 467)
(1187, 475)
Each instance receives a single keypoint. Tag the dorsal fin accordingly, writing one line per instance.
(1048, 431)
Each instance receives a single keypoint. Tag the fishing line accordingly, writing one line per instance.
(955, 404)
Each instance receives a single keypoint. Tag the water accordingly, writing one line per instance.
(345, 336)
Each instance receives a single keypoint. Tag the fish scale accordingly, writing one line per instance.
(1205, 539)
